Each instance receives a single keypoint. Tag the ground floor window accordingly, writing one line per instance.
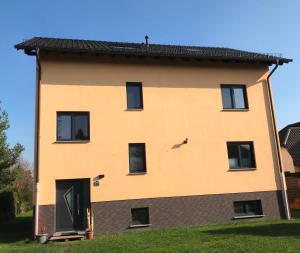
(241, 155)
(137, 158)
(73, 126)
(247, 208)
(140, 216)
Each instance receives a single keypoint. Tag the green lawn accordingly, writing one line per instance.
(263, 236)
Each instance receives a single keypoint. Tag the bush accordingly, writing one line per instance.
(7, 205)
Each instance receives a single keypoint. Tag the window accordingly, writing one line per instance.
(137, 158)
(73, 126)
(140, 216)
(247, 208)
(134, 95)
(240, 155)
(234, 97)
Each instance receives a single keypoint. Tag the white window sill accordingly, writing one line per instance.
(83, 141)
(137, 173)
(242, 169)
(248, 217)
(235, 110)
(134, 109)
(140, 226)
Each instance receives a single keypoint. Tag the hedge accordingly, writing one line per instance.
(7, 205)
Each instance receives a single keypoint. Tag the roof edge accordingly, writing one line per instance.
(140, 49)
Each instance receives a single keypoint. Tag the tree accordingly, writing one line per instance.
(8, 156)
(23, 186)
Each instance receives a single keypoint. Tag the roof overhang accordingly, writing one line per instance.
(31, 46)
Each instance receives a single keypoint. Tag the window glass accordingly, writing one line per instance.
(64, 127)
(68, 196)
(239, 208)
(239, 99)
(254, 208)
(137, 158)
(226, 98)
(245, 155)
(140, 216)
(134, 96)
(245, 208)
(233, 156)
(240, 155)
(72, 126)
(80, 127)
(234, 96)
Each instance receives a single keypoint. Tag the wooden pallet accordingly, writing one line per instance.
(66, 237)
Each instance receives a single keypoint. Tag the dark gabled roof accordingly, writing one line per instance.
(283, 131)
(290, 139)
(141, 49)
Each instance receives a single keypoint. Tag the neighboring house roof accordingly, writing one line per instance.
(142, 49)
(290, 139)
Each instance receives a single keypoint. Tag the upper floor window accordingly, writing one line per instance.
(247, 208)
(234, 97)
(137, 158)
(73, 126)
(134, 95)
(241, 155)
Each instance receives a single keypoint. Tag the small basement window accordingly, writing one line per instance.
(247, 208)
(139, 216)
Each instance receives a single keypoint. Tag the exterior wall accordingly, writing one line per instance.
(47, 218)
(287, 161)
(181, 100)
(115, 216)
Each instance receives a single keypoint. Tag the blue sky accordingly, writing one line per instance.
(270, 26)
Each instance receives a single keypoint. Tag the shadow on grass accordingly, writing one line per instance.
(281, 229)
(19, 229)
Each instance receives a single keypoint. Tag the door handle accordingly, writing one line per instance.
(78, 204)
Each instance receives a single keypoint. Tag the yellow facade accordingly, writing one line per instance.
(181, 100)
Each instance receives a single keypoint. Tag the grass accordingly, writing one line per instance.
(255, 236)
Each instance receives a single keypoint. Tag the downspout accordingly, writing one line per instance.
(281, 172)
(36, 141)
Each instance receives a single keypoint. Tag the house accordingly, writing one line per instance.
(290, 147)
(153, 136)
(290, 152)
